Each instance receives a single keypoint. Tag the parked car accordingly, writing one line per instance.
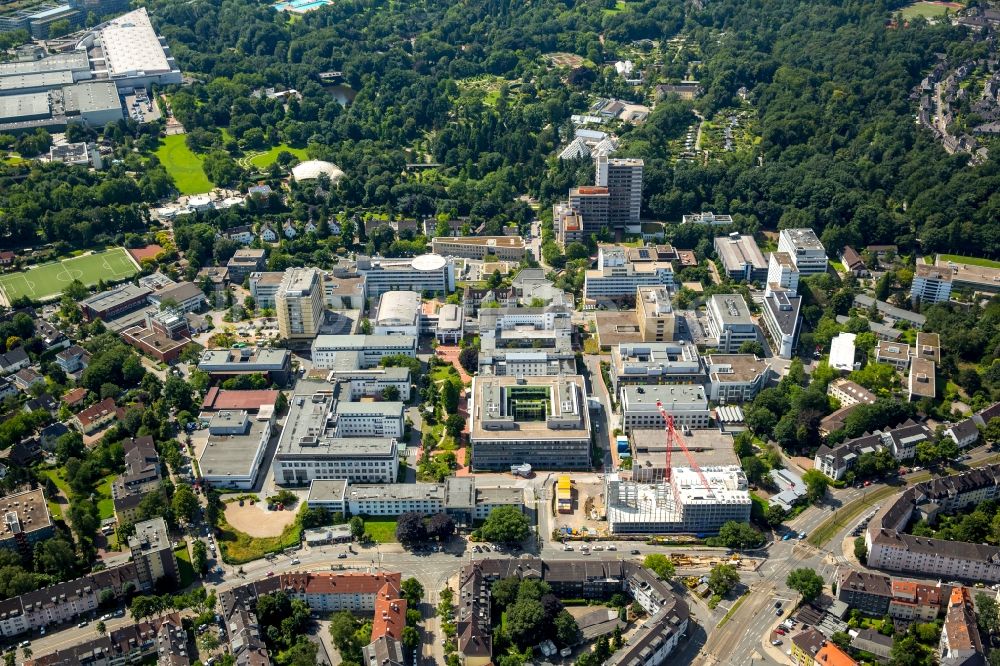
(82, 624)
(776, 641)
(634, 551)
(780, 632)
(341, 556)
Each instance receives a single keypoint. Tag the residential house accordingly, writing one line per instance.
(13, 360)
(75, 397)
(805, 645)
(44, 402)
(25, 378)
(831, 655)
(73, 359)
(852, 262)
(7, 258)
(289, 230)
(242, 234)
(870, 593)
(50, 336)
(97, 416)
(268, 234)
(964, 433)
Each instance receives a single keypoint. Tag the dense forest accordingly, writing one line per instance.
(839, 148)
(829, 82)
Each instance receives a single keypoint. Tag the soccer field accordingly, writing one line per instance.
(47, 280)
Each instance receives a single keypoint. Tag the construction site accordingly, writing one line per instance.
(685, 499)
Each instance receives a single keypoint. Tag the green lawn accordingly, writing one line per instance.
(972, 261)
(105, 505)
(381, 529)
(55, 508)
(620, 6)
(266, 159)
(184, 567)
(183, 165)
(47, 280)
(925, 9)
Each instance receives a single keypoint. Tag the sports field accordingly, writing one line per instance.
(929, 9)
(47, 280)
(183, 165)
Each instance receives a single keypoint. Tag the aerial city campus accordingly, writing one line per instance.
(658, 409)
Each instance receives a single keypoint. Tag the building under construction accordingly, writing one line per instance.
(689, 499)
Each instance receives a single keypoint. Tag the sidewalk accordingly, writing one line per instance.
(776, 652)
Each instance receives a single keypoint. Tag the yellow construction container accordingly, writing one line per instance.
(564, 494)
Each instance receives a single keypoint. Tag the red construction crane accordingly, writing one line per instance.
(674, 437)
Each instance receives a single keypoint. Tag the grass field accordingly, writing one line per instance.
(266, 159)
(185, 569)
(927, 9)
(381, 529)
(183, 165)
(972, 261)
(105, 505)
(47, 280)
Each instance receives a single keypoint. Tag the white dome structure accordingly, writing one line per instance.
(311, 170)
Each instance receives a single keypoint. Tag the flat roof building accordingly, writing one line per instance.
(326, 349)
(235, 450)
(710, 448)
(616, 276)
(921, 382)
(426, 273)
(729, 323)
(504, 248)
(651, 363)
(25, 521)
(687, 404)
(741, 257)
(842, 352)
(654, 313)
(734, 378)
(805, 249)
(542, 420)
(275, 363)
(298, 304)
(245, 261)
(134, 55)
(115, 302)
(975, 278)
(782, 321)
(931, 284)
(95, 103)
(324, 438)
(526, 341)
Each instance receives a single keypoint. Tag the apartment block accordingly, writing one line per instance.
(592, 205)
(329, 350)
(849, 393)
(153, 553)
(623, 178)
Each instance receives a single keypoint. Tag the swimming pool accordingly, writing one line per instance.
(301, 6)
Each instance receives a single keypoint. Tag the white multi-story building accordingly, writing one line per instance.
(369, 419)
(842, 351)
(687, 404)
(781, 319)
(426, 273)
(623, 178)
(617, 277)
(235, 450)
(849, 393)
(931, 284)
(729, 323)
(370, 382)
(736, 377)
(805, 250)
(649, 363)
(326, 349)
(526, 341)
(782, 273)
